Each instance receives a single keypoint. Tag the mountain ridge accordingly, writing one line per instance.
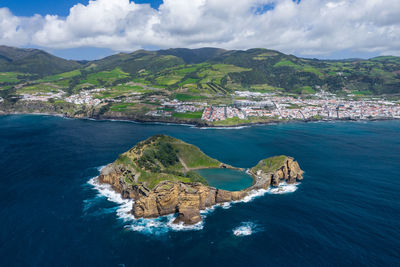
(213, 70)
(34, 61)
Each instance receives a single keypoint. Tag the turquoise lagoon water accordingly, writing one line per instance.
(227, 179)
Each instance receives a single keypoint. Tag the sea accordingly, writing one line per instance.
(346, 211)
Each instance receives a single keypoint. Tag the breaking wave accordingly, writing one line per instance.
(283, 188)
(156, 226)
(246, 229)
(164, 224)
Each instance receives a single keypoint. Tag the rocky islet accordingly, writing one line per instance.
(177, 194)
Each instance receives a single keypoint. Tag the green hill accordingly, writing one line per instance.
(217, 71)
(33, 61)
(162, 158)
(201, 73)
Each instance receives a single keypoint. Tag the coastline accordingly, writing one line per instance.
(190, 123)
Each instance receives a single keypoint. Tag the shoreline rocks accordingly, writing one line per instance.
(69, 110)
(188, 199)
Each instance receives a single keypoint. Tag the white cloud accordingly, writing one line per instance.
(17, 30)
(314, 27)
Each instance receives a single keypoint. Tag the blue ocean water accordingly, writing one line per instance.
(227, 179)
(345, 212)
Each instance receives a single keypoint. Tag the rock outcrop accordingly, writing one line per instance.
(187, 199)
(282, 169)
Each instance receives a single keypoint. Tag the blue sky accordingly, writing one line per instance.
(309, 28)
(53, 7)
(43, 7)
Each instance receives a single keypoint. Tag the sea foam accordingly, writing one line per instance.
(156, 226)
(164, 224)
(246, 229)
(283, 188)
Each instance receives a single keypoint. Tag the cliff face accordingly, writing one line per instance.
(115, 175)
(275, 170)
(187, 199)
(168, 197)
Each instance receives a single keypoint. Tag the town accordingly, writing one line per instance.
(322, 106)
(245, 105)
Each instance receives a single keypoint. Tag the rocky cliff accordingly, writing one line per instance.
(275, 170)
(186, 197)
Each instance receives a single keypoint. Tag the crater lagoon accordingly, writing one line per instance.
(227, 179)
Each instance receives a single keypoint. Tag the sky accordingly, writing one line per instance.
(91, 29)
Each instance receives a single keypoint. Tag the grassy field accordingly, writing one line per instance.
(121, 106)
(216, 72)
(194, 157)
(231, 121)
(236, 121)
(186, 97)
(362, 93)
(305, 90)
(176, 75)
(312, 70)
(159, 158)
(169, 79)
(151, 179)
(188, 81)
(264, 88)
(286, 63)
(188, 115)
(120, 90)
(9, 77)
(270, 164)
(38, 88)
(106, 77)
(61, 76)
(186, 69)
(264, 56)
(190, 75)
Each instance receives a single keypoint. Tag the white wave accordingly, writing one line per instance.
(107, 191)
(283, 188)
(171, 124)
(226, 205)
(157, 226)
(101, 167)
(208, 210)
(245, 229)
(164, 224)
(182, 227)
(253, 194)
(150, 122)
(242, 231)
(223, 128)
